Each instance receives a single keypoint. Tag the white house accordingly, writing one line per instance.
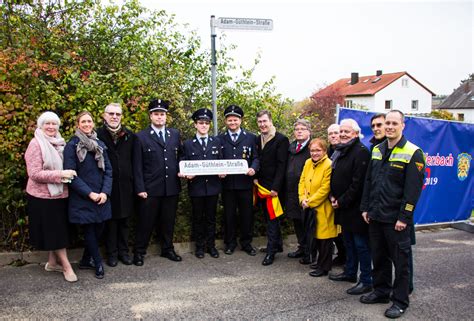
(461, 102)
(382, 92)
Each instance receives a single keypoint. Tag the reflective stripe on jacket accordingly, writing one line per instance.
(394, 182)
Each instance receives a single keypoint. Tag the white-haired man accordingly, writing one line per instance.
(350, 161)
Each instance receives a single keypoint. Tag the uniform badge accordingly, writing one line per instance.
(409, 207)
(419, 166)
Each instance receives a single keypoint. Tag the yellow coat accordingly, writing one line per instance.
(314, 186)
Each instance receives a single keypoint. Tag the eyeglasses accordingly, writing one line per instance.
(114, 114)
(300, 129)
(378, 125)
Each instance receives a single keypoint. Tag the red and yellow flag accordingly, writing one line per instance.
(274, 208)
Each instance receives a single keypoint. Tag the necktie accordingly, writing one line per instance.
(298, 147)
(160, 137)
(234, 137)
(203, 142)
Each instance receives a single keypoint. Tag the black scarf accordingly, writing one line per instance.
(341, 150)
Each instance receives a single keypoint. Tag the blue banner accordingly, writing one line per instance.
(448, 193)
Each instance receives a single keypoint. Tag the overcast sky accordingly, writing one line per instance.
(318, 42)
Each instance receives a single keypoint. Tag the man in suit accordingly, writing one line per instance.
(156, 182)
(203, 189)
(237, 189)
(298, 153)
(273, 154)
(120, 142)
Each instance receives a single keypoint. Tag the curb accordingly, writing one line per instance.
(74, 255)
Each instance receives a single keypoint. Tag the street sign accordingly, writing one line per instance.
(244, 23)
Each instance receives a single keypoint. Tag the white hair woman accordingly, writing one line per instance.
(47, 195)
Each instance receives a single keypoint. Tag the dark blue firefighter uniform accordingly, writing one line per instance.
(156, 173)
(204, 191)
(238, 189)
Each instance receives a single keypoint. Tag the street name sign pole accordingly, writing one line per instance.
(254, 24)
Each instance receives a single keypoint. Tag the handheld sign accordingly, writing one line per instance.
(213, 167)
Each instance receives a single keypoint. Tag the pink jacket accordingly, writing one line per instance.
(38, 178)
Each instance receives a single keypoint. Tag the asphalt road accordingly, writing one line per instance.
(239, 287)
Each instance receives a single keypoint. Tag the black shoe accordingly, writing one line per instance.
(229, 250)
(250, 250)
(268, 260)
(372, 298)
(112, 261)
(305, 260)
(338, 261)
(394, 312)
(125, 259)
(199, 253)
(171, 255)
(359, 289)
(87, 264)
(213, 252)
(343, 277)
(296, 254)
(318, 272)
(138, 259)
(314, 266)
(99, 271)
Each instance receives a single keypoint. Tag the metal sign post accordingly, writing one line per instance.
(235, 24)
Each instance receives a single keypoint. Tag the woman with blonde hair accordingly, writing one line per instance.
(89, 204)
(313, 190)
(47, 195)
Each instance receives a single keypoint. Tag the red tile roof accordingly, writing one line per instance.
(366, 86)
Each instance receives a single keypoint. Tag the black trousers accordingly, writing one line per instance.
(299, 231)
(309, 225)
(240, 200)
(274, 239)
(204, 221)
(116, 237)
(341, 249)
(325, 248)
(390, 247)
(159, 211)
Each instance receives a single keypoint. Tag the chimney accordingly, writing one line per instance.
(354, 78)
(379, 73)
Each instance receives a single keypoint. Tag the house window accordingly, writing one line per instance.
(461, 117)
(348, 104)
(414, 105)
(388, 104)
(405, 82)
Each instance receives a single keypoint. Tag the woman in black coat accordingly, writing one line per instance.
(350, 161)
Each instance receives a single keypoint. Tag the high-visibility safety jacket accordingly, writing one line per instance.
(394, 181)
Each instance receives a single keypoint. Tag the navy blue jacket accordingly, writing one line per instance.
(244, 148)
(90, 178)
(203, 185)
(156, 164)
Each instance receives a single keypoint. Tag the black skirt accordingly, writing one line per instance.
(48, 223)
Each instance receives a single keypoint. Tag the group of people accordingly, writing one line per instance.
(338, 193)
(360, 200)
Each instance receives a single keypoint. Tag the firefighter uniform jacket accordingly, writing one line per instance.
(394, 182)
(245, 147)
(203, 185)
(156, 163)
